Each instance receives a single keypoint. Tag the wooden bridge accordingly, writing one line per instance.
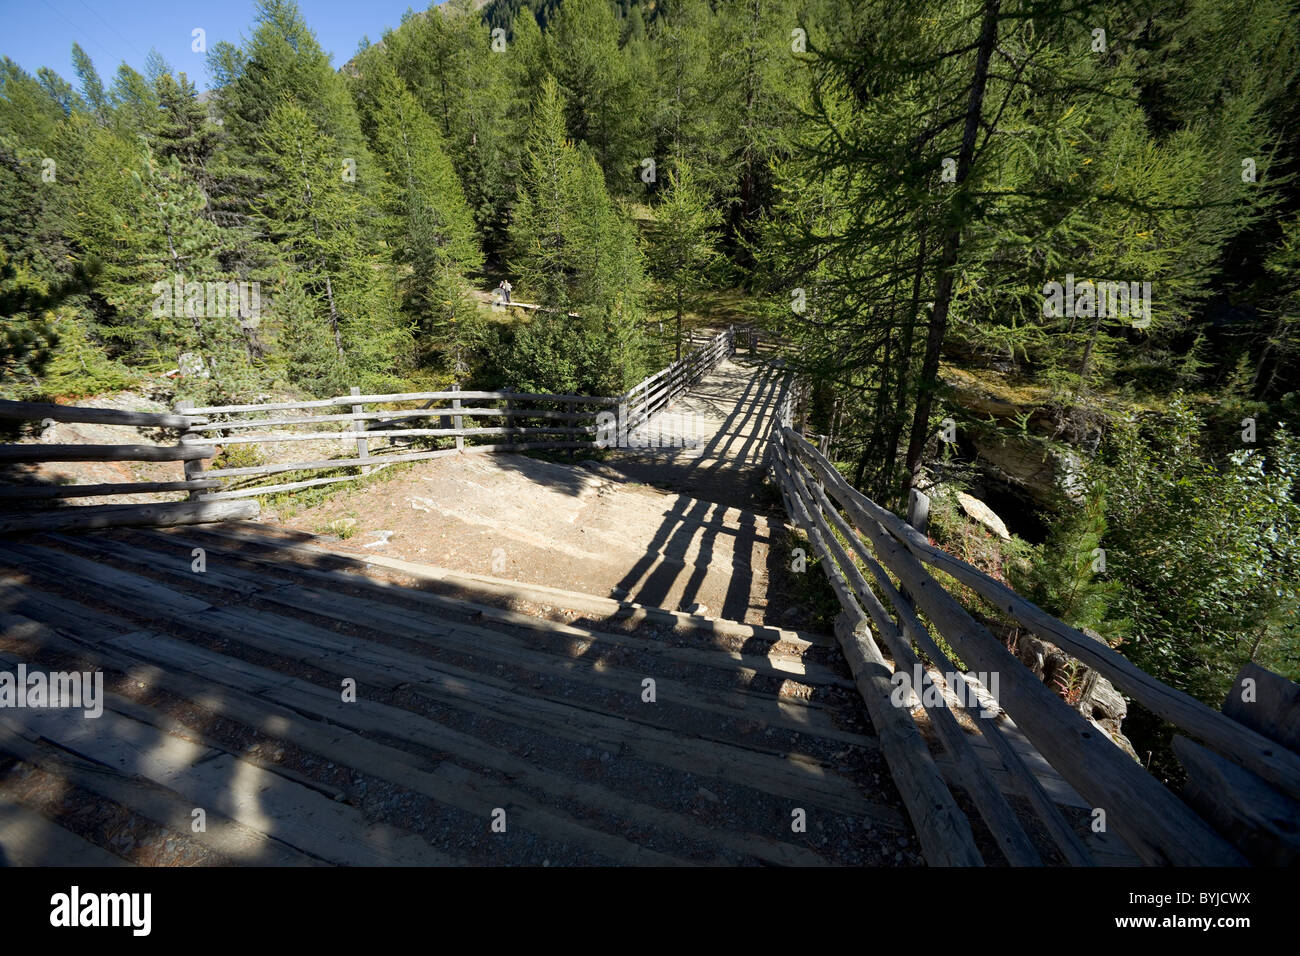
(311, 706)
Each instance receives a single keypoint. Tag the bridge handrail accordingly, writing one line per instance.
(1155, 823)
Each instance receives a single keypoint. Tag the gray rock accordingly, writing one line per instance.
(982, 513)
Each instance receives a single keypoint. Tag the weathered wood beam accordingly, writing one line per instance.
(1267, 703)
(1255, 752)
(942, 829)
(32, 492)
(161, 514)
(974, 775)
(1159, 827)
(1263, 822)
(39, 411)
(40, 453)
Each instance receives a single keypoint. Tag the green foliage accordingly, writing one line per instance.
(682, 249)
(1067, 574)
(1205, 550)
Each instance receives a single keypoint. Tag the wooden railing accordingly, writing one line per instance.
(14, 494)
(378, 430)
(873, 558)
(656, 392)
(381, 430)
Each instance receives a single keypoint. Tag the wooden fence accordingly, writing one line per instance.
(377, 430)
(1244, 782)
(656, 392)
(101, 516)
(380, 430)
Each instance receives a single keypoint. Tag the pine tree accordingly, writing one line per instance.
(681, 251)
(314, 215)
(429, 227)
(584, 57)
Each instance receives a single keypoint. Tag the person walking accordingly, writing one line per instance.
(506, 287)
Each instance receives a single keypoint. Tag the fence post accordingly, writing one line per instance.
(571, 422)
(824, 448)
(918, 510)
(456, 420)
(359, 425)
(193, 469)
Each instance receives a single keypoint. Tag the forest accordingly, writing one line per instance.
(990, 232)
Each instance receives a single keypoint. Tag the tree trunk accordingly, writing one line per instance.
(951, 247)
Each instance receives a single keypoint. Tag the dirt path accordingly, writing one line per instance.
(565, 526)
(726, 417)
(686, 529)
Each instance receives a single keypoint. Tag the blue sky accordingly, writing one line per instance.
(37, 33)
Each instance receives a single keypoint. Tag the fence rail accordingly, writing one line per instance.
(376, 431)
(376, 437)
(100, 515)
(877, 566)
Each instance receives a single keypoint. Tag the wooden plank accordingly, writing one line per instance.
(255, 797)
(790, 714)
(176, 566)
(285, 486)
(1159, 827)
(157, 514)
(1273, 707)
(20, 595)
(467, 395)
(174, 552)
(29, 839)
(1238, 743)
(272, 407)
(39, 411)
(122, 588)
(293, 700)
(232, 840)
(979, 784)
(37, 453)
(1262, 822)
(447, 685)
(514, 590)
(38, 492)
(387, 458)
(325, 464)
(446, 783)
(397, 433)
(942, 829)
(1025, 779)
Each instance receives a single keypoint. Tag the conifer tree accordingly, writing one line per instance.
(681, 251)
(428, 224)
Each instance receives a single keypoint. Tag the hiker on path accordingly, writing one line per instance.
(504, 288)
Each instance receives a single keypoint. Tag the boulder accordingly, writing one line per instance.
(1106, 702)
(982, 513)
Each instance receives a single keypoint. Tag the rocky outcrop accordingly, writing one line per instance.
(1094, 696)
(1043, 469)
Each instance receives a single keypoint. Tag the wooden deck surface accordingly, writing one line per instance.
(225, 693)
